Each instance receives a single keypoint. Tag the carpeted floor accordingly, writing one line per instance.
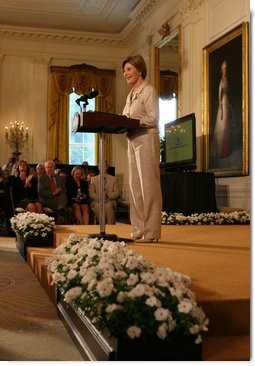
(30, 329)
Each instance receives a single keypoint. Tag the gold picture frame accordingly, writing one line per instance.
(226, 104)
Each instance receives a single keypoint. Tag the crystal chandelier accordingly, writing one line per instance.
(16, 134)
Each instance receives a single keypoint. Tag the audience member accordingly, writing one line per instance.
(78, 195)
(33, 171)
(40, 169)
(63, 173)
(11, 163)
(52, 191)
(88, 176)
(57, 168)
(111, 194)
(24, 189)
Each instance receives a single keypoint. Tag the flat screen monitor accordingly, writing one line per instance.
(180, 144)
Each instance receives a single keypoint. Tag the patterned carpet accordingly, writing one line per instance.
(30, 329)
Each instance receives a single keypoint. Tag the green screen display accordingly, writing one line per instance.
(180, 143)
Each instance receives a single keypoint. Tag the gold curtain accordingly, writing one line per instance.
(168, 84)
(62, 81)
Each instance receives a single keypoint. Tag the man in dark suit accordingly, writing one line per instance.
(52, 191)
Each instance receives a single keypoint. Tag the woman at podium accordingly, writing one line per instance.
(143, 153)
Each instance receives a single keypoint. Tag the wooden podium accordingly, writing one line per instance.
(103, 123)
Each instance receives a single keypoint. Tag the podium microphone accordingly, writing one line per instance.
(84, 98)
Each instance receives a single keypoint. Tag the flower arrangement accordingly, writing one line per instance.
(213, 218)
(29, 224)
(121, 292)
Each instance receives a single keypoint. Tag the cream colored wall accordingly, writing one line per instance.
(24, 64)
(202, 22)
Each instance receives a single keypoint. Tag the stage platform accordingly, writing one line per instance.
(216, 257)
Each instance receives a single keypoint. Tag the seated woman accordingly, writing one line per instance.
(78, 195)
(24, 189)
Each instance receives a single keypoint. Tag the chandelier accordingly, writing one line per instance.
(16, 134)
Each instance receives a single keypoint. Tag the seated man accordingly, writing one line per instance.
(52, 191)
(111, 194)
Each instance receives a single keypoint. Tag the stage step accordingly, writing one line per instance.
(228, 317)
(231, 348)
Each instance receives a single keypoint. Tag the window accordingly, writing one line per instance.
(81, 145)
(167, 113)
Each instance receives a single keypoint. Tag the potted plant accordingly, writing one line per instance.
(32, 229)
(149, 311)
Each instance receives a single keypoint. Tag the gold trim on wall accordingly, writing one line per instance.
(226, 104)
(165, 40)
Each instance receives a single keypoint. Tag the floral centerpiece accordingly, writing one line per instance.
(213, 218)
(32, 230)
(29, 224)
(122, 292)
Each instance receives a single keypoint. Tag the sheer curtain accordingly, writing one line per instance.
(83, 78)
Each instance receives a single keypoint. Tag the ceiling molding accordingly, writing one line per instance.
(137, 16)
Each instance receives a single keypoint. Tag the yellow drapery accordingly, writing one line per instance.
(62, 81)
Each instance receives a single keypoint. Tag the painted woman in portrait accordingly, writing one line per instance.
(222, 131)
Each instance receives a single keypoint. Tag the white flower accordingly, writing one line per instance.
(105, 287)
(148, 277)
(89, 275)
(121, 296)
(58, 277)
(132, 279)
(109, 277)
(206, 218)
(161, 314)
(112, 307)
(162, 331)
(152, 301)
(184, 307)
(32, 224)
(73, 293)
(132, 262)
(71, 274)
(137, 291)
(134, 332)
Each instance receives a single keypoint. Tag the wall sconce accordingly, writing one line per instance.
(16, 134)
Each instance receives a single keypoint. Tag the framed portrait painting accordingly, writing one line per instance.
(226, 103)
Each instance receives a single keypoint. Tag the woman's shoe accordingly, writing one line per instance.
(146, 240)
(136, 236)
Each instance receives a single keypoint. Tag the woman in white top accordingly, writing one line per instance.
(143, 153)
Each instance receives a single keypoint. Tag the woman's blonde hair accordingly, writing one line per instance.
(77, 167)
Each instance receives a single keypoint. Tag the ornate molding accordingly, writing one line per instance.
(102, 39)
(188, 5)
